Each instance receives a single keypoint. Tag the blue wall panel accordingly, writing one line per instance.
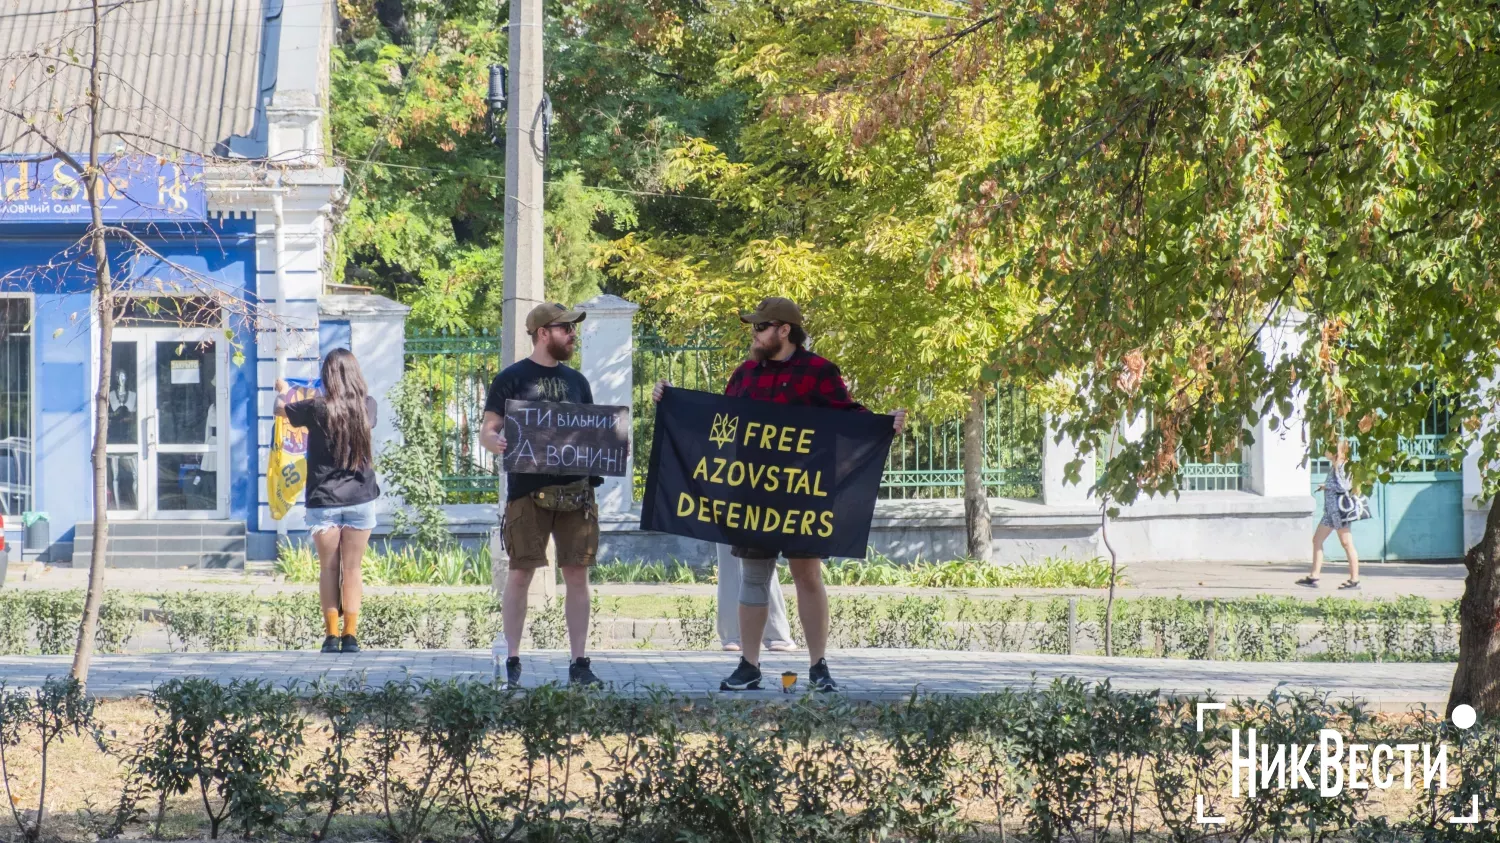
(47, 261)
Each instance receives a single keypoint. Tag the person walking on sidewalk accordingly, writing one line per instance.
(1335, 518)
(778, 635)
(543, 506)
(341, 489)
(781, 370)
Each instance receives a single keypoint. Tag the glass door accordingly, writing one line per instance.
(186, 406)
(167, 406)
(125, 437)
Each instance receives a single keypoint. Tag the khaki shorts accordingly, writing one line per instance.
(527, 527)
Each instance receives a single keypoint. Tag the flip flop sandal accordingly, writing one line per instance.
(1310, 582)
(1349, 585)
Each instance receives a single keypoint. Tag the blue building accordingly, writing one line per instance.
(214, 137)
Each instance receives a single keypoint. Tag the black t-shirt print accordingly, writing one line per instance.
(327, 484)
(528, 380)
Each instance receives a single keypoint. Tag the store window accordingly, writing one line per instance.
(15, 405)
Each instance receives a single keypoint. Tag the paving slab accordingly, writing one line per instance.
(863, 674)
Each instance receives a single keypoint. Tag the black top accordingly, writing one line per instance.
(327, 484)
(528, 380)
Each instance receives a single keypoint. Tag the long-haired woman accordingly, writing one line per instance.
(341, 489)
(1335, 520)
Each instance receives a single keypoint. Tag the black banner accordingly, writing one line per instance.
(553, 437)
(764, 475)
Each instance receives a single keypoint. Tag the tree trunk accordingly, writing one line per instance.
(83, 651)
(976, 494)
(1476, 681)
(1114, 574)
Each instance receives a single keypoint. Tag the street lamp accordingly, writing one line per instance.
(496, 116)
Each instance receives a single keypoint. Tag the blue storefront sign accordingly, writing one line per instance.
(138, 188)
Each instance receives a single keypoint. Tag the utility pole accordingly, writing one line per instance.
(526, 126)
(524, 144)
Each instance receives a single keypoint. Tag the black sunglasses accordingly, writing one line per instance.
(565, 326)
(761, 326)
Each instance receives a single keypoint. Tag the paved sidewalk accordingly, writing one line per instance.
(864, 674)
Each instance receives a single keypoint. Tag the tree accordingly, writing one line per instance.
(852, 146)
(1207, 175)
(65, 91)
(425, 221)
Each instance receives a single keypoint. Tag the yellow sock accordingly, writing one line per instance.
(331, 621)
(351, 623)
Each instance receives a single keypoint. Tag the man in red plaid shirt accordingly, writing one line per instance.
(782, 371)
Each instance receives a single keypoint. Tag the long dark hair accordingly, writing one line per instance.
(348, 425)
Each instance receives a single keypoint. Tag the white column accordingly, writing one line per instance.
(608, 351)
(1277, 461)
(377, 336)
(1056, 490)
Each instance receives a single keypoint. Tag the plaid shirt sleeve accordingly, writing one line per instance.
(833, 392)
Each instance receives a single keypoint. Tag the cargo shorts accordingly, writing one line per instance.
(527, 527)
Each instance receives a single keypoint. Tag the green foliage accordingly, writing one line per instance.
(675, 572)
(55, 616)
(451, 565)
(15, 622)
(293, 620)
(297, 562)
(403, 759)
(1189, 199)
(41, 717)
(435, 622)
(388, 621)
(1062, 761)
(696, 624)
(208, 621)
(229, 743)
(425, 220)
(547, 624)
(119, 618)
(879, 570)
(408, 465)
(333, 781)
(481, 619)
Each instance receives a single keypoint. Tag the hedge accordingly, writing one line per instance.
(470, 761)
(1259, 629)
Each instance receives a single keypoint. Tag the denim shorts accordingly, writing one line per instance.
(360, 516)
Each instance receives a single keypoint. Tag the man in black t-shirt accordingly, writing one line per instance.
(543, 506)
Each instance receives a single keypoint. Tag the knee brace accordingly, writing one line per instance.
(756, 576)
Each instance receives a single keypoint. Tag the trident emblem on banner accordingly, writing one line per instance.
(724, 428)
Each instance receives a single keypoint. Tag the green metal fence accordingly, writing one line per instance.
(456, 370)
(925, 461)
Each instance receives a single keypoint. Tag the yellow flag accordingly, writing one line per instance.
(286, 470)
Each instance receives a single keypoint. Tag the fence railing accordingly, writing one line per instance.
(456, 371)
(925, 462)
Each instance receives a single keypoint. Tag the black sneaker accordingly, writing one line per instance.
(580, 674)
(331, 644)
(820, 678)
(513, 672)
(351, 644)
(746, 677)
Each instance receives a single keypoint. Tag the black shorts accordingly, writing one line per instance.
(757, 553)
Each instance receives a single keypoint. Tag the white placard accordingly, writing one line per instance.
(184, 371)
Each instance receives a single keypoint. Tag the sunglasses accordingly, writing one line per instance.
(761, 326)
(565, 327)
